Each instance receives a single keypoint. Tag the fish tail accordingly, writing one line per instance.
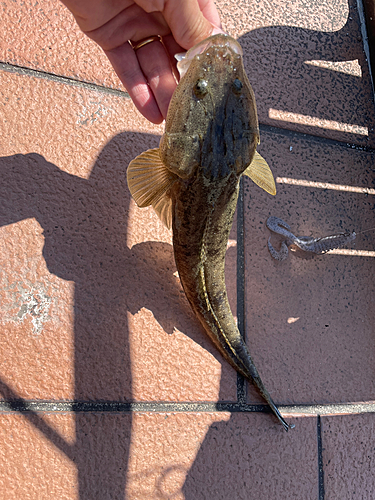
(219, 323)
(231, 344)
(248, 369)
(259, 384)
(323, 245)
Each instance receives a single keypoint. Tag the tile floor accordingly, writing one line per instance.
(109, 388)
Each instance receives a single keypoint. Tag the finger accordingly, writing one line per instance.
(188, 24)
(133, 23)
(125, 63)
(173, 48)
(185, 18)
(210, 12)
(157, 68)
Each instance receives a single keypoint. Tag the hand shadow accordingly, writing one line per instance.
(85, 229)
(85, 224)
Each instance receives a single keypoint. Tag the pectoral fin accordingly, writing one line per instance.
(149, 181)
(163, 209)
(148, 178)
(260, 173)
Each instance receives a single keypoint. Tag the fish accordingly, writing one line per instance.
(192, 182)
(309, 244)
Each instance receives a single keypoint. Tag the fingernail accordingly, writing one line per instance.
(216, 31)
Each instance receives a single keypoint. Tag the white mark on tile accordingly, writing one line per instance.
(25, 299)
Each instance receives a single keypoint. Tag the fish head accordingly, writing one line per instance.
(212, 119)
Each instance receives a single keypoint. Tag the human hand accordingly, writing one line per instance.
(147, 72)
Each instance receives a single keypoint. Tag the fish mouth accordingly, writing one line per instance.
(224, 45)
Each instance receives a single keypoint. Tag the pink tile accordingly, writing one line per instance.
(307, 66)
(348, 456)
(148, 455)
(331, 97)
(297, 90)
(88, 284)
(251, 457)
(310, 321)
(45, 37)
(36, 465)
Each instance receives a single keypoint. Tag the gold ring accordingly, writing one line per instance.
(145, 41)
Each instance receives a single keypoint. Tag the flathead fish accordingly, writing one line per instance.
(192, 182)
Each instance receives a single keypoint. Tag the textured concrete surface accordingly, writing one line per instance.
(192, 456)
(35, 457)
(93, 318)
(74, 218)
(348, 456)
(44, 36)
(306, 64)
(247, 459)
(312, 316)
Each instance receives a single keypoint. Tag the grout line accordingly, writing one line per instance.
(23, 405)
(123, 407)
(314, 138)
(320, 459)
(328, 409)
(241, 382)
(20, 70)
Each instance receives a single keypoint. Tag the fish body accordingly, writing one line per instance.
(192, 181)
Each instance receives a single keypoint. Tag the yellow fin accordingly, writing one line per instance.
(163, 209)
(260, 173)
(148, 178)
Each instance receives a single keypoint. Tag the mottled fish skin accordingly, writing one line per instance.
(210, 139)
(226, 129)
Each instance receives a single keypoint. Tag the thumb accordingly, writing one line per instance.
(191, 21)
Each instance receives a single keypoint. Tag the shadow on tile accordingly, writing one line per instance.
(310, 321)
(85, 229)
(250, 457)
(84, 225)
(297, 89)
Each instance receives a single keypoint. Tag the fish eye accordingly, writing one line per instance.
(237, 86)
(201, 88)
